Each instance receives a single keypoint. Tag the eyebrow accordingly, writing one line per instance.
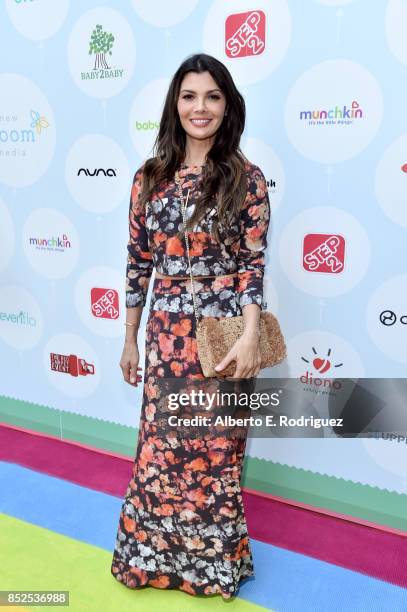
(192, 91)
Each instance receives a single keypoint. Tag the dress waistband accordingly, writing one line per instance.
(165, 277)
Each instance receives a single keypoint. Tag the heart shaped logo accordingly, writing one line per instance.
(355, 104)
(404, 168)
(321, 365)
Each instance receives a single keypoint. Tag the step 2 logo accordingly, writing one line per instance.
(324, 253)
(104, 303)
(71, 364)
(245, 34)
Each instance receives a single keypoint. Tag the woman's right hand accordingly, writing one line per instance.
(129, 363)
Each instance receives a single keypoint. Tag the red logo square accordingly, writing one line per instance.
(245, 34)
(104, 303)
(324, 253)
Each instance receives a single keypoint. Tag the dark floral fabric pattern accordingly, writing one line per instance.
(153, 242)
(182, 523)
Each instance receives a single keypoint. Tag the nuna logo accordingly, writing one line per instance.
(14, 134)
(96, 172)
(54, 243)
(335, 115)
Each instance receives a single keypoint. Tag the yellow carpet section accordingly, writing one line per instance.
(36, 559)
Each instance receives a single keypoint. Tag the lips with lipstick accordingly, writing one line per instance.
(200, 122)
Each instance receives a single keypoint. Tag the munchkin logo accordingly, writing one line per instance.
(332, 116)
(51, 244)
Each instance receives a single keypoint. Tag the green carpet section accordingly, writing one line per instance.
(328, 492)
(38, 559)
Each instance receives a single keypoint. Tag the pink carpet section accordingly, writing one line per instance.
(356, 547)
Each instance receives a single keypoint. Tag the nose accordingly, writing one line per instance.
(200, 106)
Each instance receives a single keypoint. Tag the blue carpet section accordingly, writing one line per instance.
(285, 581)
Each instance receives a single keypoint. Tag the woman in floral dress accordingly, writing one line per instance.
(182, 524)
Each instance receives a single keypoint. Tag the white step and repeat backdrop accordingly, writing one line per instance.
(81, 89)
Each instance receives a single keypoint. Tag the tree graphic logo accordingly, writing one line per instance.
(100, 44)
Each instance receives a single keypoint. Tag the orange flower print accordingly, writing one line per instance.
(166, 344)
(161, 582)
(174, 246)
(141, 574)
(129, 524)
(216, 458)
(187, 588)
(197, 465)
(177, 368)
(181, 328)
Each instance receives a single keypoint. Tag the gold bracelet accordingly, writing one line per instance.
(131, 324)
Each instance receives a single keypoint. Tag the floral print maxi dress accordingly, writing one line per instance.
(182, 523)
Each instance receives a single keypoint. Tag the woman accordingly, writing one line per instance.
(182, 523)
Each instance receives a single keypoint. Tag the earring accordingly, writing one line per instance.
(226, 113)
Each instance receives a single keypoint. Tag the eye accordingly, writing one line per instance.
(215, 96)
(187, 96)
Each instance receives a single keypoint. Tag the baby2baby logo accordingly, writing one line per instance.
(100, 46)
(337, 115)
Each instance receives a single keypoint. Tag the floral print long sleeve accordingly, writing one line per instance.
(153, 242)
(139, 257)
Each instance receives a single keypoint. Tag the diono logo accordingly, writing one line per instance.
(321, 365)
(245, 34)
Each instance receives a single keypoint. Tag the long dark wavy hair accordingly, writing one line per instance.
(223, 182)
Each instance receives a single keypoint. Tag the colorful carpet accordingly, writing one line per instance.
(60, 505)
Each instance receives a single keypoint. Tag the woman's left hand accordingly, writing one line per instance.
(246, 353)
